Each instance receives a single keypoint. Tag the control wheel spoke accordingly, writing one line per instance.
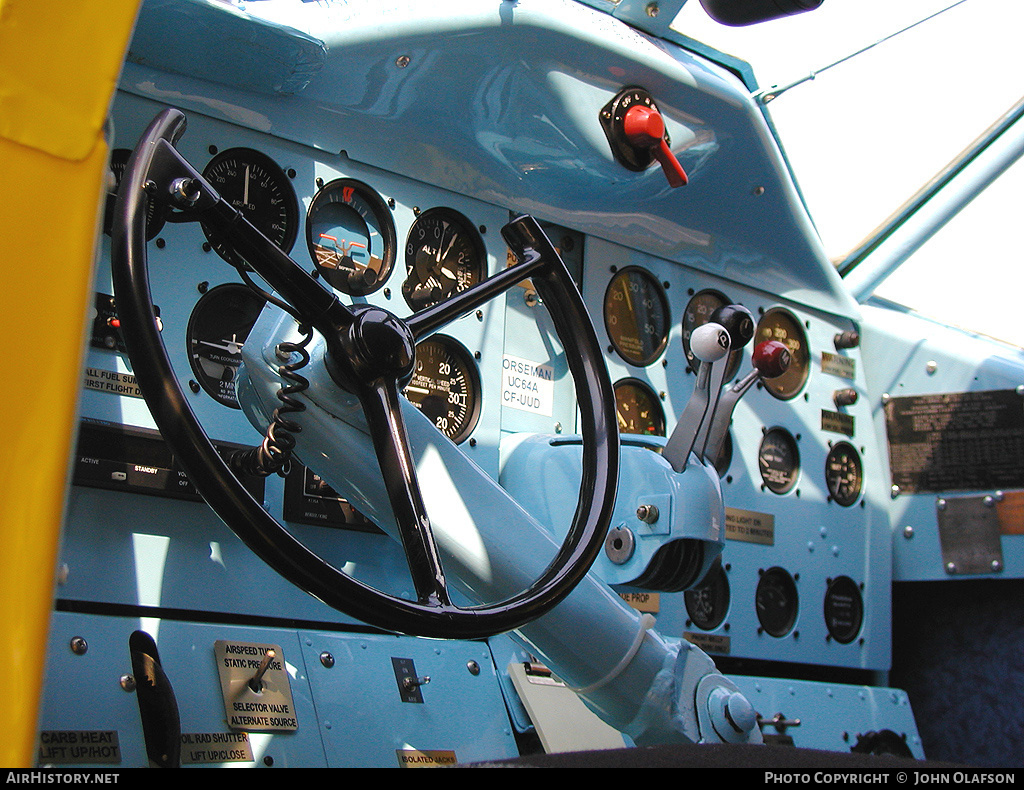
(382, 408)
(425, 322)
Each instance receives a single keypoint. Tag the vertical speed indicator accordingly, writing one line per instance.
(445, 386)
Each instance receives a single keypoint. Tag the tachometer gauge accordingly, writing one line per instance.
(445, 386)
(351, 237)
(217, 330)
(698, 312)
(255, 185)
(444, 255)
(778, 460)
(844, 474)
(777, 602)
(637, 409)
(636, 315)
(781, 325)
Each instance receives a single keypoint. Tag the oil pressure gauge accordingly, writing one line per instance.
(445, 386)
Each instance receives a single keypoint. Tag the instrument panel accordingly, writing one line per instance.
(797, 472)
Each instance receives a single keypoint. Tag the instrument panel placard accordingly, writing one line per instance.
(967, 441)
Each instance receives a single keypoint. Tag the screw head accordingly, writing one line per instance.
(79, 646)
(327, 659)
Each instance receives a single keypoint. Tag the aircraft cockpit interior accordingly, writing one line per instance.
(465, 382)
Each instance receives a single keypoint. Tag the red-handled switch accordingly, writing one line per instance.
(645, 128)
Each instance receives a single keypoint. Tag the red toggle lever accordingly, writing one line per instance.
(771, 359)
(645, 128)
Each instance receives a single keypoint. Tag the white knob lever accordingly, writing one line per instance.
(710, 343)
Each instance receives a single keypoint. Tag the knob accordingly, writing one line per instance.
(849, 339)
(738, 322)
(771, 359)
(845, 397)
(710, 342)
(645, 128)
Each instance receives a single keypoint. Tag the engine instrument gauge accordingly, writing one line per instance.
(781, 325)
(778, 460)
(636, 315)
(255, 185)
(444, 255)
(844, 474)
(698, 312)
(351, 237)
(445, 386)
(217, 329)
(708, 602)
(637, 409)
(777, 601)
(844, 609)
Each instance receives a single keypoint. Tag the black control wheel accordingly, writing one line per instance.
(370, 353)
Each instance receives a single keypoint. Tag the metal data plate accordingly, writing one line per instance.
(970, 535)
(268, 709)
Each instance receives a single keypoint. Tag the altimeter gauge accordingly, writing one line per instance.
(444, 255)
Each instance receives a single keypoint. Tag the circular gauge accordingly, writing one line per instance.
(217, 329)
(698, 312)
(254, 184)
(638, 409)
(154, 221)
(777, 602)
(783, 326)
(844, 609)
(445, 386)
(351, 237)
(844, 474)
(444, 256)
(636, 315)
(779, 460)
(708, 603)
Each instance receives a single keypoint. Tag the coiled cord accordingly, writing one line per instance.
(273, 455)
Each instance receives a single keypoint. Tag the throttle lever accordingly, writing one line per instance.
(770, 359)
(710, 343)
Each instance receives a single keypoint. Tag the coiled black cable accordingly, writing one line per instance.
(273, 454)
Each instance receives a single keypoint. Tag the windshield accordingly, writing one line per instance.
(865, 134)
